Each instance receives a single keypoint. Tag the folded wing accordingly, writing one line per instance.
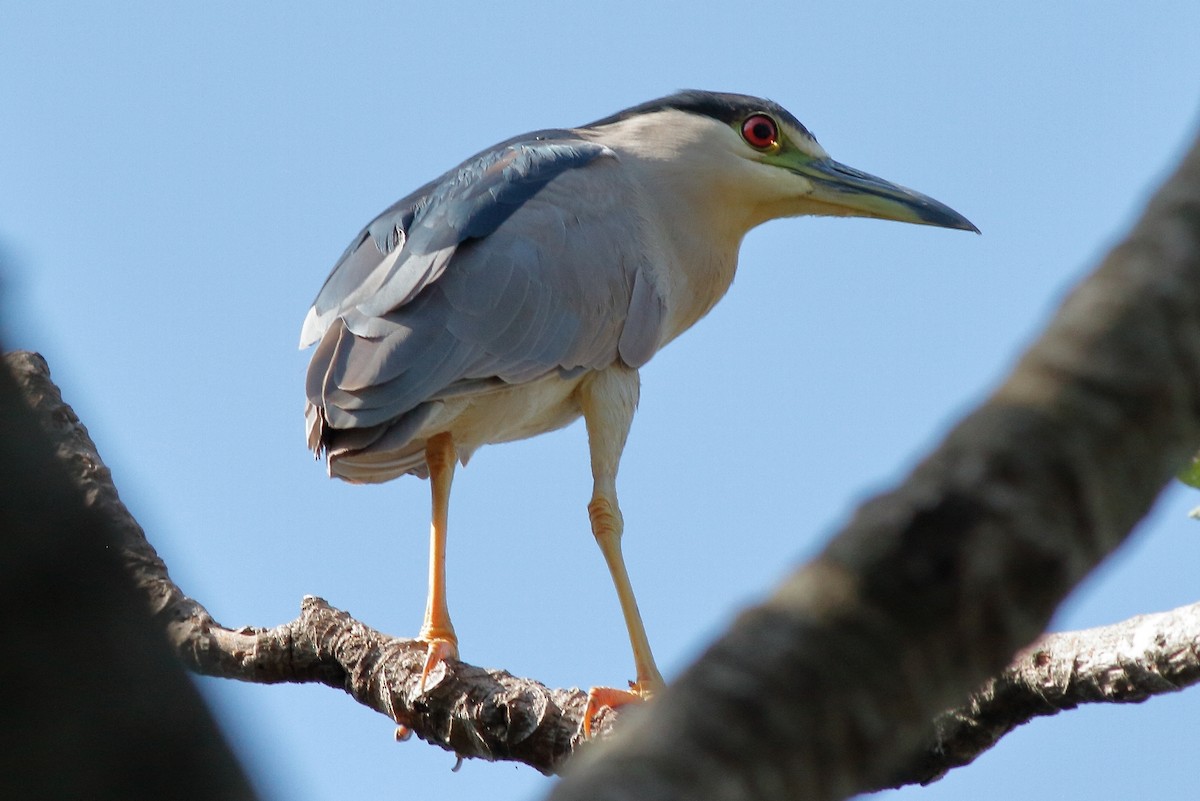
(524, 261)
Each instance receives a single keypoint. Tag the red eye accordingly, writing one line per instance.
(760, 131)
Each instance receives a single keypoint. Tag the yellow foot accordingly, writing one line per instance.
(440, 649)
(611, 697)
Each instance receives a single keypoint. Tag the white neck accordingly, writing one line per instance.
(692, 248)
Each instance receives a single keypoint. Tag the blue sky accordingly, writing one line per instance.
(178, 180)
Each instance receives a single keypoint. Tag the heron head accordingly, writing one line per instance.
(752, 152)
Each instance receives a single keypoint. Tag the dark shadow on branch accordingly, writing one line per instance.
(94, 704)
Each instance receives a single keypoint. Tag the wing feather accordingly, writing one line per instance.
(524, 262)
(643, 326)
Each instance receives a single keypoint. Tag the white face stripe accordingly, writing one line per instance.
(670, 133)
(802, 140)
(662, 135)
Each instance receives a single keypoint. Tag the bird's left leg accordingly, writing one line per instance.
(441, 456)
(608, 399)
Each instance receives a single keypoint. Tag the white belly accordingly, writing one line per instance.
(508, 414)
(504, 414)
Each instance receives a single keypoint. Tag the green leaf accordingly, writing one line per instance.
(1190, 474)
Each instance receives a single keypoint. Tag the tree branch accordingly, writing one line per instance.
(94, 703)
(471, 711)
(1124, 663)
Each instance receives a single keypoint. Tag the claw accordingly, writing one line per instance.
(440, 649)
(611, 697)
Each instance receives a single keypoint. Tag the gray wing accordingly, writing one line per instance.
(409, 244)
(523, 262)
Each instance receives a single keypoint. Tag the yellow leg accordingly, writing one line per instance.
(606, 527)
(437, 630)
(608, 400)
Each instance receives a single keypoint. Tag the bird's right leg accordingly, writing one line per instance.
(441, 456)
(608, 400)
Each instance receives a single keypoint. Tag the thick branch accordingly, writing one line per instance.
(94, 704)
(829, 687)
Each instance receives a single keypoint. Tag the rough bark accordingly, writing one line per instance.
(471, 711)
(1124, 663)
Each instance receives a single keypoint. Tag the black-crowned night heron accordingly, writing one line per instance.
(525, 288)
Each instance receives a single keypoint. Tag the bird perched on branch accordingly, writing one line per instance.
(525, 288)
